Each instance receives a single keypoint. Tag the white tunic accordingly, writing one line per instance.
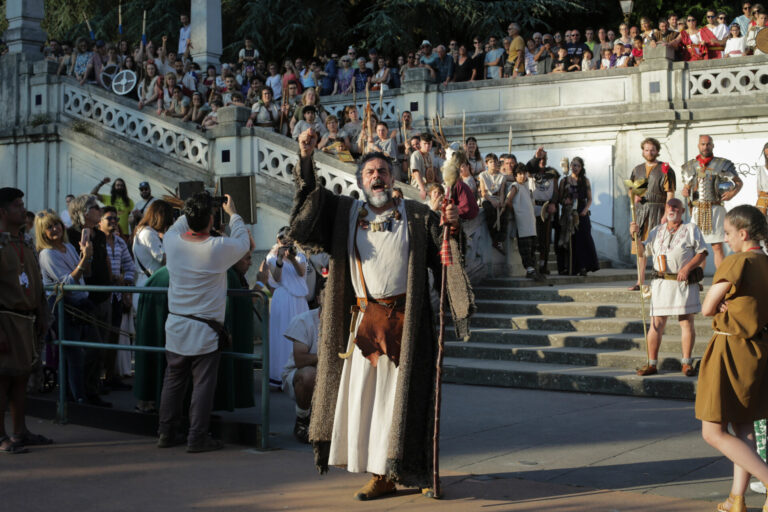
(522, 204)
(363, 416)
(717, 236)
(668, 297)
(197, 274)
(288, 301)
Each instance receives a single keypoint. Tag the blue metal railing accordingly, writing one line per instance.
(262, 307)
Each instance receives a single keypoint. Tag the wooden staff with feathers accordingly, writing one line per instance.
(450, 175)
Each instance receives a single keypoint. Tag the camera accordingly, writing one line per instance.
(219, 200)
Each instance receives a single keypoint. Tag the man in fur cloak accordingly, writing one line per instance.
(373, 405)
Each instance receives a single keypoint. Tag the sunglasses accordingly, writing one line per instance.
(110, 218)
(708, 17)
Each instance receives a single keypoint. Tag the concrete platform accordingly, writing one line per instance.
(501, 449)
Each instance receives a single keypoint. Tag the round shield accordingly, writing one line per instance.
(108, 74)
(124, 82)
(761, 41)
(725, 186)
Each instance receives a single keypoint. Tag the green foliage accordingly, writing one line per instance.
(3, 20)
(305, 27)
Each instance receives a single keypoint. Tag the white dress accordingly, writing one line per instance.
(668, 297)
(522, 204)
(363, 416)
(289, 300)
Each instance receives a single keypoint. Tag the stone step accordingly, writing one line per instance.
(532, 307)
(584, 292)
(601, 276)
(587, 379)
(628, 360)
(577, 324)
(602, 341)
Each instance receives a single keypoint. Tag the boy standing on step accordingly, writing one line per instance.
(520, 200)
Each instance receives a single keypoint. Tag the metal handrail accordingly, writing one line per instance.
(61, 409)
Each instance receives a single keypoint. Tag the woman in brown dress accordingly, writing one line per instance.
(734, 368)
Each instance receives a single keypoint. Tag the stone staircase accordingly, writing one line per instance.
(570, 333)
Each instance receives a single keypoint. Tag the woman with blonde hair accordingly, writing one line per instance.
(308, 97)
(60, 264)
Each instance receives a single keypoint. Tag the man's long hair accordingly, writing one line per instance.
(122, 194)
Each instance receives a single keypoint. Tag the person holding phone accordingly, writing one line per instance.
(287, 268)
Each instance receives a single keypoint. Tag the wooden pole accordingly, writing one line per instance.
(144, 28)
(463, 125)
(636, 240)
(509, 140)
(120, 17)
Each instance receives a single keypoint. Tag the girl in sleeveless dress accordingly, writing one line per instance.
(734, 368)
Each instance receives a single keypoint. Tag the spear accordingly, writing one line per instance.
(120, 17)
(282, 104)
(509, 140)
(144, 29)
(381, 103)
(354, 92)
(638, 188)
(450, 177)
(88, 24)
(463, 125)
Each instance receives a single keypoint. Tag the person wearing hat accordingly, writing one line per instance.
(428, 58)
(141, 206)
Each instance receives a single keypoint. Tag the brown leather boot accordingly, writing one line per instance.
(376, 487)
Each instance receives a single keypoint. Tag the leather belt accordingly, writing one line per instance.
(539, 203)
(394, 302)
(695, 204)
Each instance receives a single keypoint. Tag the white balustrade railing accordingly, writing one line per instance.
(185, 145)
(734, 80)
(277, 161)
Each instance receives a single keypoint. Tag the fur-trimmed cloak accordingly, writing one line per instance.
(320, 222)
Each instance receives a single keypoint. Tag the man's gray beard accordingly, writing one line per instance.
(378, 200)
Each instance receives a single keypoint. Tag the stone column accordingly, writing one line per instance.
(24, 34)
(205, 17)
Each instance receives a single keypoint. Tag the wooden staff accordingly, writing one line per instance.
(144, 29)
(282, 114)
(120, 17)
(88, 24)
(509, 140)
(447, 260)
(463, 125)
(444, 142)
(381, 102)
(638, 188)
(354, 91)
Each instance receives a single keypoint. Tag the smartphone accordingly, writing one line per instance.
(85, 236)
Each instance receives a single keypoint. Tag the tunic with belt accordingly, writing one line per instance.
(23, 308)
(661, 179)
(401, 398)
(703, 176)
(762, 190)
(734, 369)
(671, 297)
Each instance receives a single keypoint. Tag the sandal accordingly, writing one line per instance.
(13, 448)
(30, 439)
(635, 288)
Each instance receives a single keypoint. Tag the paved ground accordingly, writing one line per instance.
(502, 449)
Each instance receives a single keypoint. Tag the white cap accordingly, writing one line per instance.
(426, 43)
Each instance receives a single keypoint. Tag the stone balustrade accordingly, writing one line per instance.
(175, 141)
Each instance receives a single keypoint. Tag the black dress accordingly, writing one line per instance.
(583, 253)
(463, 72)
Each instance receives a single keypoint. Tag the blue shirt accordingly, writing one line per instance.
(492, 56)
(330, 75)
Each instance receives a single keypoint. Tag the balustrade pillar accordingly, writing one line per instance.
(24, 34)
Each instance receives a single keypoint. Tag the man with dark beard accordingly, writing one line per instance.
(649, 209)
(543, 182)
(118, 197)
(372, 406)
